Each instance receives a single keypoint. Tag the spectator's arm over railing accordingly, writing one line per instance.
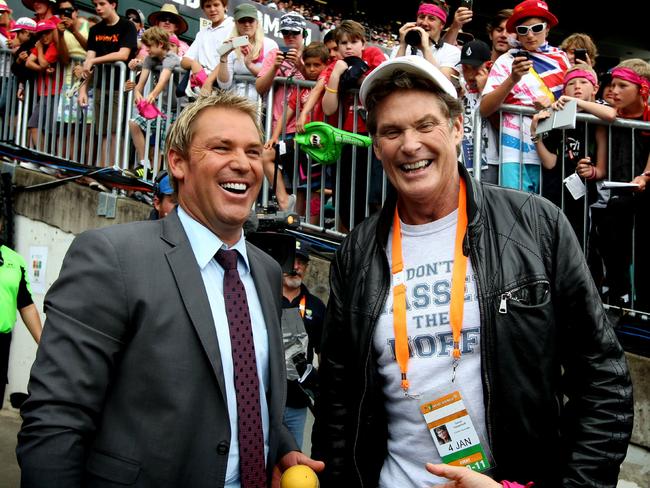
(121, 55)
(330, 98)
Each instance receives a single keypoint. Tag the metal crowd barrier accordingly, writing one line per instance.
(596, 241)
(329, 183)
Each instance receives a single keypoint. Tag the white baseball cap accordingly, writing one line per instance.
(414, 65)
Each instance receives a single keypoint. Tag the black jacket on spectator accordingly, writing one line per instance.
(557, 391)
(313, 320)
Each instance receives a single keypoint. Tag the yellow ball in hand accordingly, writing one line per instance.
(299, 476)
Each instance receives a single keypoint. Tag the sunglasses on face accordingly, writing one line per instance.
(167, 18)
(523, 30)
(246, 20)
(287, 33)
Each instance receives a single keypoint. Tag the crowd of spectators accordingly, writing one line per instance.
(520, 68)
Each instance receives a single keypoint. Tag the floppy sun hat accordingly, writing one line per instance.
(530, 8)
(168, 9)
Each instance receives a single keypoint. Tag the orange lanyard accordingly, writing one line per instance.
(456, 306)
(301, 306)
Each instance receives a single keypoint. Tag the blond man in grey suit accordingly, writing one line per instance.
(133, 381)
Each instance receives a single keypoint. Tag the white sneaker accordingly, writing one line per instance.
(291, 204)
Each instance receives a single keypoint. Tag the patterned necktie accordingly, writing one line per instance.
(247, 387)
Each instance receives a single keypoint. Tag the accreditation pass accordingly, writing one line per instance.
(453, 432)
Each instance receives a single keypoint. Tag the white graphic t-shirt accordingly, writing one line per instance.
(428, 252)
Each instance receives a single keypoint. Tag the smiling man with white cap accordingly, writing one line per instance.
(467, 306)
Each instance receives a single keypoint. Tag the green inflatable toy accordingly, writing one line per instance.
(324, 142)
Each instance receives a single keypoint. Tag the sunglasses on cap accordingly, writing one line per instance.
(523, 30)
(288, 33)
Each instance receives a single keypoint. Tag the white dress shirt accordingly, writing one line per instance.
(205, 245)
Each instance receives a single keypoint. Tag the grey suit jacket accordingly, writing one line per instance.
(127, 387)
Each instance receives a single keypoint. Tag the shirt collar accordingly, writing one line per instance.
(205, 243)
(227, 22)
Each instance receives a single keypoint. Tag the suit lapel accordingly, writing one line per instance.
(188, 278)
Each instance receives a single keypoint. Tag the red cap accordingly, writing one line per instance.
(45, 25)
(530, 8)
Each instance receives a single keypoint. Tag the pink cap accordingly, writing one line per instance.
(4, 7)
(149, 110)
(45, 25)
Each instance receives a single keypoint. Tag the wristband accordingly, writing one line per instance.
(331, 90)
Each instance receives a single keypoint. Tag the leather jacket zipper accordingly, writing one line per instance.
(508, 295)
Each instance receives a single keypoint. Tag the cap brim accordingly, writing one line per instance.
(413, 65)
(472, 62)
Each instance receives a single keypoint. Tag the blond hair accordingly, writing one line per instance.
(257, 42)
(639, 66)
(156, 35)
(180, 135)
(581, 41)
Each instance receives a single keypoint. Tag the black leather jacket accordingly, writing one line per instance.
(556, 386)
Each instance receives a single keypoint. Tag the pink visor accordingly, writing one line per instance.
(632, 76)
(580, 73)
(430, 9)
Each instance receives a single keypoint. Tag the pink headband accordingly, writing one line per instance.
(632, 76)
(430, 9)
(580, 73)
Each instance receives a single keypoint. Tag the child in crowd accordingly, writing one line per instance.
(582, 150)
(616, 212)
(315, 58)
(156, 40)
(202, 57)
(329, 39)
(111, 40)
(580, 41)
(22, 45)
(529, 75)
(475, 65)
(346, 74)
(43, 60)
